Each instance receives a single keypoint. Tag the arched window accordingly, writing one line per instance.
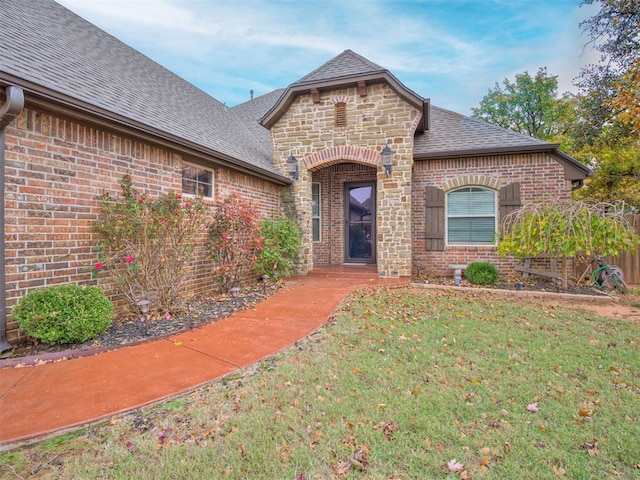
(471, 216)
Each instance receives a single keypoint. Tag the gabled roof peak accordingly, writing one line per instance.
(347, 64)
(348, 69)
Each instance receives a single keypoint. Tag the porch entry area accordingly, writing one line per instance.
(343, 211)
(359, 201)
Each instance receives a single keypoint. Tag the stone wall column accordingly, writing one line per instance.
(393, 216)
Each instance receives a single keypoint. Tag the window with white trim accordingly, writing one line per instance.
(315, 211)
(471, 216)
(197, 181)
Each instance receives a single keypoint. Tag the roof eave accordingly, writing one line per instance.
(50, 100)
(297, 89)
(573, 169)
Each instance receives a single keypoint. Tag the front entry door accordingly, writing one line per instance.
(360, 222)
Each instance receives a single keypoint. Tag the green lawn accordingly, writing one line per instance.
(399, 384)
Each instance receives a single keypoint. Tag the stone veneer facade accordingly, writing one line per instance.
(308, 131)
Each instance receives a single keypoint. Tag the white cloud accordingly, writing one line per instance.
(452, 50)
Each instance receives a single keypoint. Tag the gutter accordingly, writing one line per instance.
(574, 170)
(13, 105)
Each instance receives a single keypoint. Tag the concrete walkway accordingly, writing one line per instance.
(41, 400)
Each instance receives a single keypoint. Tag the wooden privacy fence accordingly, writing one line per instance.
(629, 262)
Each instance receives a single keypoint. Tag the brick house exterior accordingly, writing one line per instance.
(94, 110)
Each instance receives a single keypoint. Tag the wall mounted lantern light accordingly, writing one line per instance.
(292, 167)
(386, 156)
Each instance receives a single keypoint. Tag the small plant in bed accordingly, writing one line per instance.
(482, 273)
(63, 313)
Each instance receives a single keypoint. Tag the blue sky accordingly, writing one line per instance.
(452, 51)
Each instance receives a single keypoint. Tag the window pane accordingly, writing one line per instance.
(472, 231)
(482, 201)
(315, 211)
(458, 202)
(189, 187)
(205, 183)
(471, 201)
(471, 216)
(197, 181)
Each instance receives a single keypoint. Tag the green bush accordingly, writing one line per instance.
(234, 241)
(63, 313)
(281, 243)
(482, 273)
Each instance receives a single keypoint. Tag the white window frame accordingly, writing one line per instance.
(494, 216)
(319, 216)
(200, 168)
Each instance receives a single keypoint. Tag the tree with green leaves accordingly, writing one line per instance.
(528, 105)
(607, 134)
(561, 230)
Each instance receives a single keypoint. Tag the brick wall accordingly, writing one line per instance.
(54, 170)
(541, 179)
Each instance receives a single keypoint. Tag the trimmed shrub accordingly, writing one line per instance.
(234, 241)
(281, 243)
(482, 273)
(63, 313)
(145, 245)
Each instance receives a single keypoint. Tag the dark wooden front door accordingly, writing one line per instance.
(360, 222)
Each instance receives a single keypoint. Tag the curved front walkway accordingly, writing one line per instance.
(44, 399)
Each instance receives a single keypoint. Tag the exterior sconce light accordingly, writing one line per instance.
(143, 305)
(235, 292)
(292, 167)
(386, 157)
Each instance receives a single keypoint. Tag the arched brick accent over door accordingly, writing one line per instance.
(342, 153)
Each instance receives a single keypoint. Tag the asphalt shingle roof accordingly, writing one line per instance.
(46, 44)
(347, 64)
(252, 111)
(453, 132)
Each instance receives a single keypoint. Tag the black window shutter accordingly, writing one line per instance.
(509, 199)
(434, 225)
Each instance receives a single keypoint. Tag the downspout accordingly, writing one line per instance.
(13, 105)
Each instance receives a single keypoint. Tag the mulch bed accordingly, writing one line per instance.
(534, 284)
(198, 311)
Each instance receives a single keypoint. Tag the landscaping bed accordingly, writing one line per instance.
(536, 284)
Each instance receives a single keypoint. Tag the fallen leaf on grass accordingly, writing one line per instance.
(559, 471)
(359, 460)
(454, 465)
(533, 407)
(591, 448)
